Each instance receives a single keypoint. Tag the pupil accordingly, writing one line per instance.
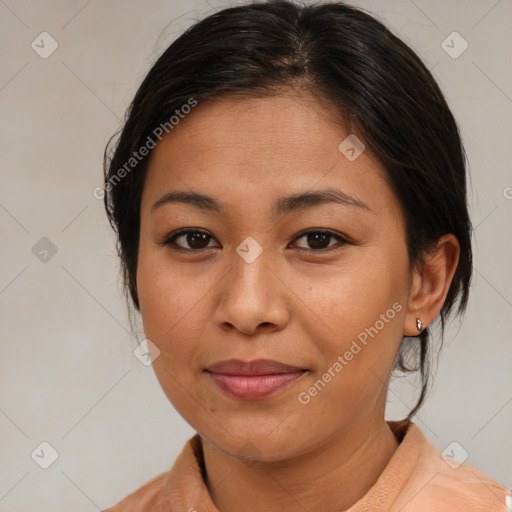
(317, 240)
(195, 240)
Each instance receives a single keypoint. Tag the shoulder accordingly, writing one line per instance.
(469, 489)
(150, 496)
(171, 489)
(439, 483)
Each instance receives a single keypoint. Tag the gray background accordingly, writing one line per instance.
(68, 375)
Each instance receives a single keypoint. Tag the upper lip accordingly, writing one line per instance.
(256, 367)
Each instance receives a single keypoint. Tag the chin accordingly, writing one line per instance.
(255, 445)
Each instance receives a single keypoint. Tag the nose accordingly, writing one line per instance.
(253, 298)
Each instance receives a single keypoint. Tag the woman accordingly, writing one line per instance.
(290, 202)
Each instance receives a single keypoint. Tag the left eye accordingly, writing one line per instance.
(319, 240)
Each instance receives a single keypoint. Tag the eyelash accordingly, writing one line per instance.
(170, 240)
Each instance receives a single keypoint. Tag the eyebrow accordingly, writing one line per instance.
(283, 205)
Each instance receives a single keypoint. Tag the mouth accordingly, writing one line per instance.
(253, 380)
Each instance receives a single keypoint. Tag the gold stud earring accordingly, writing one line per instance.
(419, 324)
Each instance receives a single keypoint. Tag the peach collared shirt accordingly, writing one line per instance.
(416, 479)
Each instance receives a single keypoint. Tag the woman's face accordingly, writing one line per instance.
(260, 278)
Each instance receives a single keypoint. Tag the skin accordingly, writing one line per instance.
(292, 304)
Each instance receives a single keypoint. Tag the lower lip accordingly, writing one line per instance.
(253, 387)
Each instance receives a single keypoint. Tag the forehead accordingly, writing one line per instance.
(279, 121)
(266, 146)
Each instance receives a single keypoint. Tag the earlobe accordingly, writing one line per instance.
(430, 285)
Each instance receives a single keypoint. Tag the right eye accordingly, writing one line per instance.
(196, 240)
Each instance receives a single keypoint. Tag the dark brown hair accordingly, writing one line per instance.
(374, 83)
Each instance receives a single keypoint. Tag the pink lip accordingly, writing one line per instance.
(253, 380)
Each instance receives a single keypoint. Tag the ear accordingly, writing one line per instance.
(430, 284)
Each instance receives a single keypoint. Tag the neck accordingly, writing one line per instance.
(332, 477)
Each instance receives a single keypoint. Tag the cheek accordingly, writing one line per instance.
(170, 307)
(364, 311)
(356, 368)
(348, 304)
(171, 317)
